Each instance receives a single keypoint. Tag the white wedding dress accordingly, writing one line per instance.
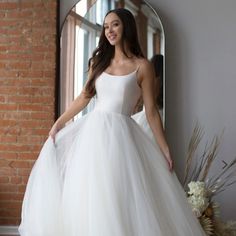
(105, 177)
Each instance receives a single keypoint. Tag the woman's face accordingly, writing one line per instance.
(113, 29)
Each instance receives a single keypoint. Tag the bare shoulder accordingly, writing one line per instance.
(145, 69)
(143, 61)
(145, 65)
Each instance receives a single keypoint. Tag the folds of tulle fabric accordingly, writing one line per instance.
(104, 177)
(40, 209)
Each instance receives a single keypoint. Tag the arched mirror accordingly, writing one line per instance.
(80, 28)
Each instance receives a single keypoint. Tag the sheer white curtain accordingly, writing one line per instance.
(67, 63)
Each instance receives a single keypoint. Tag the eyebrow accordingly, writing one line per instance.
(112, 22)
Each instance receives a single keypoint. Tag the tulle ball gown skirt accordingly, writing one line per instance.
(104, 177)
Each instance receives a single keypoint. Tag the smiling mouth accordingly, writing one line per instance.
(112, 37)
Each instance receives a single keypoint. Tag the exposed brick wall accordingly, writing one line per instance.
(27, 86)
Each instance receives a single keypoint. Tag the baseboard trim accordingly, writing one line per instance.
(9, 230)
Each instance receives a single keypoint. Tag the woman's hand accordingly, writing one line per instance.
(55, 128)
(169, 161)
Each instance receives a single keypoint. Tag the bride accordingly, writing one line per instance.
(102, 175)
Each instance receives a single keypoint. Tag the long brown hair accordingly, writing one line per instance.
(157, 61)
(104, 52)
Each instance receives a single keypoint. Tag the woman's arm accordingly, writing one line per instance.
(147, 76)
(76, 106)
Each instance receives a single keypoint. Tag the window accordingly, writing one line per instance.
(87, 32)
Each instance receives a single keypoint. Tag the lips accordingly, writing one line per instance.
(112, 37)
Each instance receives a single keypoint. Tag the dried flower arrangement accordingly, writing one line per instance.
(201, 188)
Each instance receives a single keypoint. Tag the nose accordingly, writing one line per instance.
(110, 29)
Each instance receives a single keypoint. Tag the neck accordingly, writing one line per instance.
(119, 54)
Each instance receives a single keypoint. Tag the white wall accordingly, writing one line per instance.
(201, 78)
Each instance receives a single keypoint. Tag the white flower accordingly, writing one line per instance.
(198, 204)
(198, 197)
(197, 188)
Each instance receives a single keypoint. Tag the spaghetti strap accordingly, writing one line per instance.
(136, 73)
(137, 68)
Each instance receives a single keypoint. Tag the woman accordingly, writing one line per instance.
(102, 175)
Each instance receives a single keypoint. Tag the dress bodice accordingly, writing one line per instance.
(117, 93)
